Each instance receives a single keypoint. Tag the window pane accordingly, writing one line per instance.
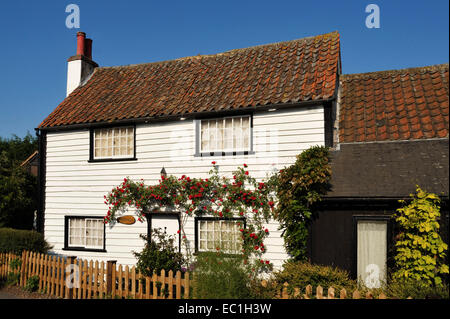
(205, 135)
(94, 233)
(105, 152)
(212, 135)
(220, 134)
(130, 142)
(237, 133)
(245, 132)
(76, 231)
(228, 137)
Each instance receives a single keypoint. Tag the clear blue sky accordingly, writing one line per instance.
(35, 43)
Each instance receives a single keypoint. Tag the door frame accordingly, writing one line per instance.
(355, 219)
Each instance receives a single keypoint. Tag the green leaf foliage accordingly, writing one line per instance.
(219, 276)
(420, 250)
(16, 241)
(18, 189)
(300, 186)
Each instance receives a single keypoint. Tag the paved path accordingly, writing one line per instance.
(5, 295)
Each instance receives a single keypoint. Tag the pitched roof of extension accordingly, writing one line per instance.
(390, 169)
(393, 105)
(286, 72)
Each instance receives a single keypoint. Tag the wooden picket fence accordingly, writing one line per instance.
(108, 280)
(72, 278)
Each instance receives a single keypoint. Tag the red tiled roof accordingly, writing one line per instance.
(394, 105)
(292, 71)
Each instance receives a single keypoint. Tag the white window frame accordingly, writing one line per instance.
(213, 246)
(85, 235)
(111, 130)
(233, 148)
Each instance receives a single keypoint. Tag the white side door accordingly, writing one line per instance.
(169, 224)
(371, 252)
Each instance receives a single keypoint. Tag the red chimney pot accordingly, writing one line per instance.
(80, 43)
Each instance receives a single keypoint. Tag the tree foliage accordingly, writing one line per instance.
(420, 250)
(18, 189)
(301, 185)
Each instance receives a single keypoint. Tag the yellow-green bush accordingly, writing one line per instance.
(420, 250)
(301, 274)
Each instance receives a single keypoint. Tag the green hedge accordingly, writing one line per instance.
(16, 241)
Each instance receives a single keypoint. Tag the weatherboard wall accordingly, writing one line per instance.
(75, 187)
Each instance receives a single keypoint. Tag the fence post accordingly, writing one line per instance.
(284, 292)
(331, 293)
(22, 269)
(69, 290)
(110, 264)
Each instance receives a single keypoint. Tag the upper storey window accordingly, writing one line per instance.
(227, 135)
(117, 143)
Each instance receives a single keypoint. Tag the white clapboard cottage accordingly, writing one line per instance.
(261, 106)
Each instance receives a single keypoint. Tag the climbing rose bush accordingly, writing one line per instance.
(218, 196)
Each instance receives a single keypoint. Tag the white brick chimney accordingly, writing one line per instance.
(80, 66)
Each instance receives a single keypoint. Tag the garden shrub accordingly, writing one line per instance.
(158, 253)
(14, 275)
(402, 289)
(12, 279)
(32, 284)
(220, 276)
(300, 274)
(420, 250)
(16, 241)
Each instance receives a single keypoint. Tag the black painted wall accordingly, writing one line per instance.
(332, 236)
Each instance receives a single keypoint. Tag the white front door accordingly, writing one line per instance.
(168, 224)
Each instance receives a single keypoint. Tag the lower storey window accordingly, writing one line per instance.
(85, 232)
(219, 233)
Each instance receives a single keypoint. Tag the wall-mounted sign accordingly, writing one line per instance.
(127, 220)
